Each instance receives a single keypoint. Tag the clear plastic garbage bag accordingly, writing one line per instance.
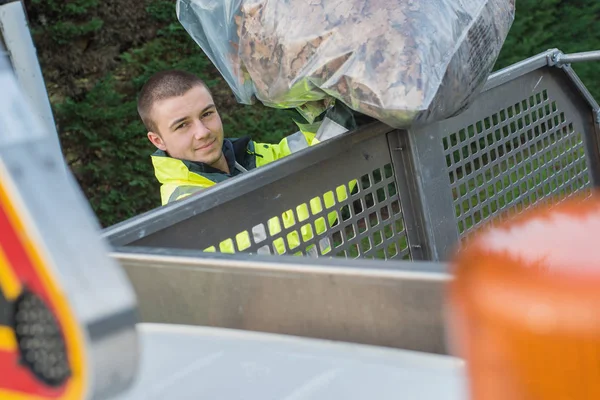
(399, 61)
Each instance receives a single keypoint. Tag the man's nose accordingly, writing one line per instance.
(200, 130)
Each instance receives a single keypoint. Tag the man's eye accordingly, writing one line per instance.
(181, 125)
(207, 114)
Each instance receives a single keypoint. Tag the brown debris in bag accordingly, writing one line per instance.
(386, 58)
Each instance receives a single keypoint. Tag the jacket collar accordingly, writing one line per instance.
(235, 149)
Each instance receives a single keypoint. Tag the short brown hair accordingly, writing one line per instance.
(163, 85)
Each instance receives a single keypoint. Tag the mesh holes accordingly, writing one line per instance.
(362, 218)
(524, 154)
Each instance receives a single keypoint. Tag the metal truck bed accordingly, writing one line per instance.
(182, 362)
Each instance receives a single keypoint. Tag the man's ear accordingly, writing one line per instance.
(157, 141)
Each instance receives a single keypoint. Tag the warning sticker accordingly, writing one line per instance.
(41, 344)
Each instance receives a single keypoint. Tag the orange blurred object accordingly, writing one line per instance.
(525, 305)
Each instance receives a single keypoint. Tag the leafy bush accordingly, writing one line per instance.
(103, 140)
(96, 56)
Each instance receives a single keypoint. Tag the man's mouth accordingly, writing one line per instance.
(207, 145)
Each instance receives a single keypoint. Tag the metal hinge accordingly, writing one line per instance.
(554, 59)
(560, 59)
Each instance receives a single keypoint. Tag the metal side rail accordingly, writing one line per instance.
(392, 304)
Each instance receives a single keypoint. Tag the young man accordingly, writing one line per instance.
(192, 154)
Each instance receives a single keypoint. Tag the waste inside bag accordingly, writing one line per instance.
(399, 61)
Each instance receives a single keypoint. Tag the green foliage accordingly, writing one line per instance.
(101, 134)
(65, 9)
(64, 32)
(79, 7)
(570, 26)
(67, 20)
(62, 8)
(105, 143)
(161, 10)
(529, 34)
(106, 152)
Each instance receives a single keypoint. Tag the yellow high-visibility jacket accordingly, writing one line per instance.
(181, 178)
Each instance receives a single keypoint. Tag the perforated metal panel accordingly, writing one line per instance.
(372, 226)
(346, 204)
(530, 138)
(362, 218)
(526, 153)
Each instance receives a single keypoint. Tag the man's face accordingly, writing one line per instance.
(189, 127)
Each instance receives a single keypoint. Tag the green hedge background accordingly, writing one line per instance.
(96, 55)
